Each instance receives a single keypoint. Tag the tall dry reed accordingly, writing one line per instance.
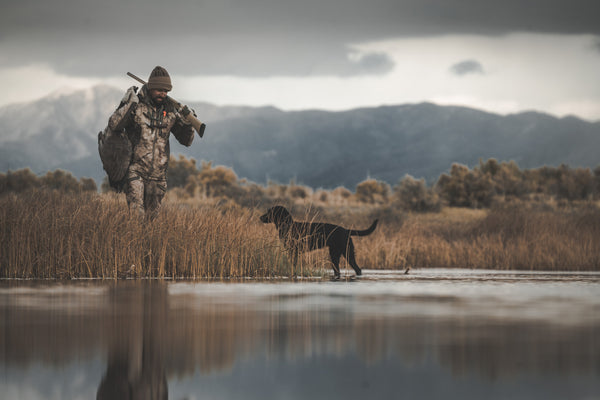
(45, 234)
(510, 238)
(52, 235)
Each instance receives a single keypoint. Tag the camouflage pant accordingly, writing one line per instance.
(145, 195)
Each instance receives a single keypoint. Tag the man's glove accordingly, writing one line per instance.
(185, 111)
(130, 96)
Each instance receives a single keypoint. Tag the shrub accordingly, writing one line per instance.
(414, 195)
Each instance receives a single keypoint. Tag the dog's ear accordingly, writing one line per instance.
(275, 213)
(281, 215)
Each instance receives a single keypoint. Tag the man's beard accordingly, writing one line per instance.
(158, 101)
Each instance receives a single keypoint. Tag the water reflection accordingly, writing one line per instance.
(413, 337)
(136, 331)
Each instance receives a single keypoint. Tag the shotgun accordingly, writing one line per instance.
(187, 114)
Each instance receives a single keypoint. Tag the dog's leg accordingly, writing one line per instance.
(335, 259)
(351, 259)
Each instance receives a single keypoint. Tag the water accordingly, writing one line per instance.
(451, 334)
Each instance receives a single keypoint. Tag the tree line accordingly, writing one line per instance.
(482, 186)
(24, 179)
(491, 181)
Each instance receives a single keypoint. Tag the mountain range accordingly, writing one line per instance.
(315, 148)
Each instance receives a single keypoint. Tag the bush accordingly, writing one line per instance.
(372, 191)
(18, 181)
(414, 195)
(180, 170)
(24, 180)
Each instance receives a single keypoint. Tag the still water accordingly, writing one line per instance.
(431, 334)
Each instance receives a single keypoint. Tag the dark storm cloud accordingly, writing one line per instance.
(467, 67)
(256, 37)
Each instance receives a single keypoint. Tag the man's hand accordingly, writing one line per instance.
(189, 116)
(185, 111)
(130, 96)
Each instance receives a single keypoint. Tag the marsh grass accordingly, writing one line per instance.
(509, 238)
(48, 234)
(52, 235)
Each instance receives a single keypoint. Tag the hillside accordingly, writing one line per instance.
(315, 148)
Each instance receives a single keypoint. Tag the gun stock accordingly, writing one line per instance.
(196, 123)
(198, 126)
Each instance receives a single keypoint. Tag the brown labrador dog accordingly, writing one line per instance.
(301, 236)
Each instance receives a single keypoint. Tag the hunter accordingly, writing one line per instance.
(148, 117)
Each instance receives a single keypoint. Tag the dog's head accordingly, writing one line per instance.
(278, 215)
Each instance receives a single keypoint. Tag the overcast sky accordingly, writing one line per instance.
(502, 56)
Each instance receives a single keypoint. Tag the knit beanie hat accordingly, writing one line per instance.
(159, 79)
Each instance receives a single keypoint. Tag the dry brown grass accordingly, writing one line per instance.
(45, 234)
(52, 235)
(511, 238)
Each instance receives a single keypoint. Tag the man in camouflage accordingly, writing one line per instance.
(148, 118)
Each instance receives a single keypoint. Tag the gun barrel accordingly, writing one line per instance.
(136, 78)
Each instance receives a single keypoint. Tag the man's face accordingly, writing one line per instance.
(158, 96)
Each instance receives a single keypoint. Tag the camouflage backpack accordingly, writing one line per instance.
(115, 152)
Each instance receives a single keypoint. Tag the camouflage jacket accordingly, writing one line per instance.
(148, 128)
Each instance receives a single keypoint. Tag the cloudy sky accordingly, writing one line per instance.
(502, 56)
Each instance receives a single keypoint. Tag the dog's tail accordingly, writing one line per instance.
(368, 231)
